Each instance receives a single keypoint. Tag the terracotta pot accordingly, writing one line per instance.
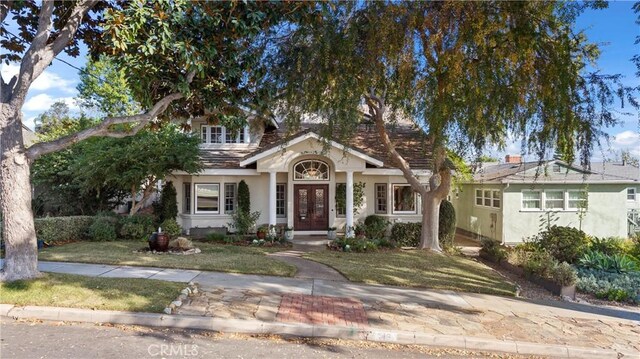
(163, 242)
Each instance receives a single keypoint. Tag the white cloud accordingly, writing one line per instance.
(42, 102)
(627, 140)
(46, 81)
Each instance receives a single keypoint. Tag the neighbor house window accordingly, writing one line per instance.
(531, 200)
(404, 199)
(381, 198)
(631, 194)
(220, 134)
(554, 199)
(488, 198)
(207, 198)
(229, 197)
(186, 205)
(341, 199)
(281, 200)
(577, 200)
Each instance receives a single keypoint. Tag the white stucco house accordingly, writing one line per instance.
(293, 179)
(514, 200)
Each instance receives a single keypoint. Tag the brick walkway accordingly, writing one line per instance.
(300, 308)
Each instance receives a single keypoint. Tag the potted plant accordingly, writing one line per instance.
(288, 233)
(262, 232)
(331, 233)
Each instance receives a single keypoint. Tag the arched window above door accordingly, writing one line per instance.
(311, 170)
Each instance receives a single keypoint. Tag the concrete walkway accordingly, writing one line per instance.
(308, 269)
(478, 318)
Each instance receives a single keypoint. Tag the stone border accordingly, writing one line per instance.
(190, 290)
(308, 330)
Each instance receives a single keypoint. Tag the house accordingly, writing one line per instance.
(295, 179)
(514, 200)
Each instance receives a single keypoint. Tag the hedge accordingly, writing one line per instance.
(56, 229)
(408, 234)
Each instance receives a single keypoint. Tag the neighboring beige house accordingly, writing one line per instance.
(514, 200)
(28, 136)
(293, 181)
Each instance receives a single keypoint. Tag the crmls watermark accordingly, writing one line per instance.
(167, 350)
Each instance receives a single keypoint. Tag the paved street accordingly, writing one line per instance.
(54, 340)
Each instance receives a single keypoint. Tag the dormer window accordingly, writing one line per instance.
(220, 135)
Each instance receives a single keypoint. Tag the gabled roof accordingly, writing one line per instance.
(364, 143)
(535, 172)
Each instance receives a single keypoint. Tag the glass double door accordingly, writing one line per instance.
(311, 207)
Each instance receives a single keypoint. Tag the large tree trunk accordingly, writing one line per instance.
(430, 223)
(18, 230)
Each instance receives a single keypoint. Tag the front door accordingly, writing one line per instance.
(311, 207)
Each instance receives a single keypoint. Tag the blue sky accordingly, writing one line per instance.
(613, 28)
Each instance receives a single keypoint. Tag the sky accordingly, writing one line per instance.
(614, 29)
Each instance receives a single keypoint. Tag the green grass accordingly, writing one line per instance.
(66, 290)
(416, 269)
(214, 257)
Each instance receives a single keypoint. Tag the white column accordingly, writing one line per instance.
(349, 209)
(272, 198)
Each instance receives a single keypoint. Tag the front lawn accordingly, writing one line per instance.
(214, 257)
(76, 291)
(416, 269)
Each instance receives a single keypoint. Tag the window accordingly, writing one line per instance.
(220, 135)
(341, 199)
(577, 200)
(556, 168)
(381, 198)
(531, 200)
(554, 199)
(229, 197)
(207, 198)
(488, 198)
(404, 199)
(631, 194)
(311, 170)
(281, 200)
(186, 205)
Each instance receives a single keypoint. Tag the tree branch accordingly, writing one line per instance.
(103, 129)
(39, 55)
(5, 7)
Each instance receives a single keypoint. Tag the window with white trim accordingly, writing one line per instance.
(230, 193)
(631, 194)
(577, 199)
(488, 198)
(381, 198)
(281, 200)
(186, 202)
(531, 200)
(220, 134)
(404, 199)
(311, 170)
(207, 197)
(554, 199)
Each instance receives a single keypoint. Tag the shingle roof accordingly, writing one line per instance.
(598, 172)
(407, 142)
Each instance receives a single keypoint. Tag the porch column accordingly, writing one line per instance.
(272, 198)
(349, 209)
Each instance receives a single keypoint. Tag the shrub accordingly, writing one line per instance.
(609, 245)
(136, 227)
(385, 243)
(607, 285)
(375, 227)
(244, 197)
(520, 254)
(541, 264)
(447, 224)
(354, 244)
(216, 237)
(55, 229)
(171, 227)
(168, 205)
(565, 244)
(493, 250)
(103, 229)
(564, 274)
(406, 234)
(610, 263)
(244, 221)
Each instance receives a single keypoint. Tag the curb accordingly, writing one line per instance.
(308, 330)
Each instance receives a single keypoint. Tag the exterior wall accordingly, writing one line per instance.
(479, 220)
(605, 216)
